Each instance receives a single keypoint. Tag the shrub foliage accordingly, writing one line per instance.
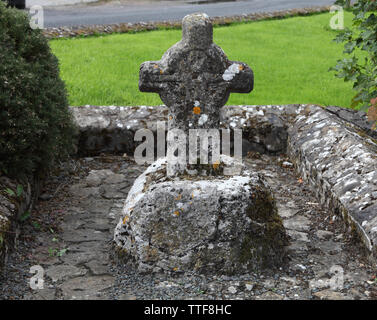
(362, 72)
(36, 126)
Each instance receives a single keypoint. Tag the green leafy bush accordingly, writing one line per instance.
(36, 126)
(362, 72)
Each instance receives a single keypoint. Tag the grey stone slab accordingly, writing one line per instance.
(298, 235)
(41, 294)
(98, 267)
(64, 271)
(79, 258)
(98, 223)
(97, 177)
(100, 206)
(89, 246)
(86, 288)
(330, 247)
(286, 212)
(269, 295)
(324, 235)
(298, 223)
(82, 191)
(112, 192)
(330, 295)
(115, 179)
(84, 235)
(72, 222)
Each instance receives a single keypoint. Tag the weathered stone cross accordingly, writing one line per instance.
(194, 77)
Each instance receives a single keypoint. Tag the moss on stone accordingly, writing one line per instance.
(260, 249)
(366, 136)
(4, 237)
(215, 169)
(151, 254)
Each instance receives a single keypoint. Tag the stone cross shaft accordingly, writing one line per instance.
(194, 77)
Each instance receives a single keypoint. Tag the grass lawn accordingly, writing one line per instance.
(290, 59)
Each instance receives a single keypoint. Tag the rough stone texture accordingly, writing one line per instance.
(341, 165)
(263, 127)
(194, 77)
(273, 130)
(216, 224)
(358, 118)
(212, 225)
(312, 253)
(83, 271)
(309, 262)
(111, 129)
(336, 157)
(330, 295)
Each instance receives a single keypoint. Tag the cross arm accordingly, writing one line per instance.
(148, 72)
(240, 77)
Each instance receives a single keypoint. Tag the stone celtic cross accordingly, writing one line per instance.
(194, 77)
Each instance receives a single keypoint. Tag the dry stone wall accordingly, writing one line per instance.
(333, 150)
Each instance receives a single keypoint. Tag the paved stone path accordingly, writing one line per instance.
(319, 246)
(82, 271)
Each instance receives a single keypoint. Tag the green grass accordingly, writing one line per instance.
(290, 59)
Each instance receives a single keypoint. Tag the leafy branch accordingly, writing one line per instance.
(362, 72)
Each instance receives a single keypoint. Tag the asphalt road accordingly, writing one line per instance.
(109, 13)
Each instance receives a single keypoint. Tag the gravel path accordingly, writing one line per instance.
(69, 234)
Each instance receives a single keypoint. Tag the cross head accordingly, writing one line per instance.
(194, 78)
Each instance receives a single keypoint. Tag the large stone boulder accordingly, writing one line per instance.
(207, 224)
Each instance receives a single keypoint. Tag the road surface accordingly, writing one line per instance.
(131, 11)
